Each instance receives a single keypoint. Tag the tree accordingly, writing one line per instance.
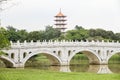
(22, 35)
(92, 33)
(4, 42)
(35, 35)
(103, 34)
(117, 36)
(78, 34)
(12, 34)
(51, 33)
(110, 35)
(78, 27)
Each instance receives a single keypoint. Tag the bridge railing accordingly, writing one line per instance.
(65, 43)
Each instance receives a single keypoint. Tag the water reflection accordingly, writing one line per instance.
(79, 68)
(91, 68)
(115, 68)
(65, 69)
(99, 69)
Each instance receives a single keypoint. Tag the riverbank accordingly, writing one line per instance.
(36, 74)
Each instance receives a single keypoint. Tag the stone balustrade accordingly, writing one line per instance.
(65, 43)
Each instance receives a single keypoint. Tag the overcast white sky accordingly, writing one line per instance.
(36, 14)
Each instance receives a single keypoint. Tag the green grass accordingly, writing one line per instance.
(35, 74)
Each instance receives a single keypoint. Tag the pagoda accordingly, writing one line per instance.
(60, 21)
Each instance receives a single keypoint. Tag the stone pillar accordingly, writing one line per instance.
(103, 62)
(18, 65)
(64, 63)
(64, 57)
(16, 55)
(104, 57)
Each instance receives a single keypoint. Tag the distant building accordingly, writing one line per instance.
(60, 21)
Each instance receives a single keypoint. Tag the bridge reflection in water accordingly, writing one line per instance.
(101, 69)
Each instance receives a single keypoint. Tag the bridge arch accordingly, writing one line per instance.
(50, 55)
(92, 56)
(113, 53)
(8, 62)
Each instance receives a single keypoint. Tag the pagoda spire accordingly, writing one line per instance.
(60, 10)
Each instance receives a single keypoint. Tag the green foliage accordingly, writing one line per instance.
(12, 34)
(23, 34)
(51, 33)
(95, 38)
(35, 35)
(4, 42)
(117, 36)
(103, 34)
(78, 34)
(1, 52)
(38, 61)
(115, 59)
(79, 58)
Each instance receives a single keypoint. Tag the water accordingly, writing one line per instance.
(112, 68)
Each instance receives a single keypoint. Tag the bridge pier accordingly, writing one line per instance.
(19, 65)
(65, 63)
(103, 62)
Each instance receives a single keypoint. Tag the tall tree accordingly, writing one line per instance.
(22, 35)
(4, 42)
(79, 33)
(35, 35)
(12, 34)
(51, 33)
(117, 36)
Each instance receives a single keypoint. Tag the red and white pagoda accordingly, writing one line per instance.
(60, 21)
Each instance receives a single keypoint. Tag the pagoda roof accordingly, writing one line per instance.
(60, 14)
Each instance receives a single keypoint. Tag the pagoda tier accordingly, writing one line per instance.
(57, 20)
(60, 24)
(60, 21)
(60, 16)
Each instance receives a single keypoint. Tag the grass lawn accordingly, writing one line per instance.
(36, 74)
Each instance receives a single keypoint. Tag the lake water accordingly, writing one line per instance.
(111, 68)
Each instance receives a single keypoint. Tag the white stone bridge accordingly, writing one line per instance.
(60, 52)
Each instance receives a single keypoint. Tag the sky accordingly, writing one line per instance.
(36, 14)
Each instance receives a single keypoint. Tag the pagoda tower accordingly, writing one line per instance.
(60, 21)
